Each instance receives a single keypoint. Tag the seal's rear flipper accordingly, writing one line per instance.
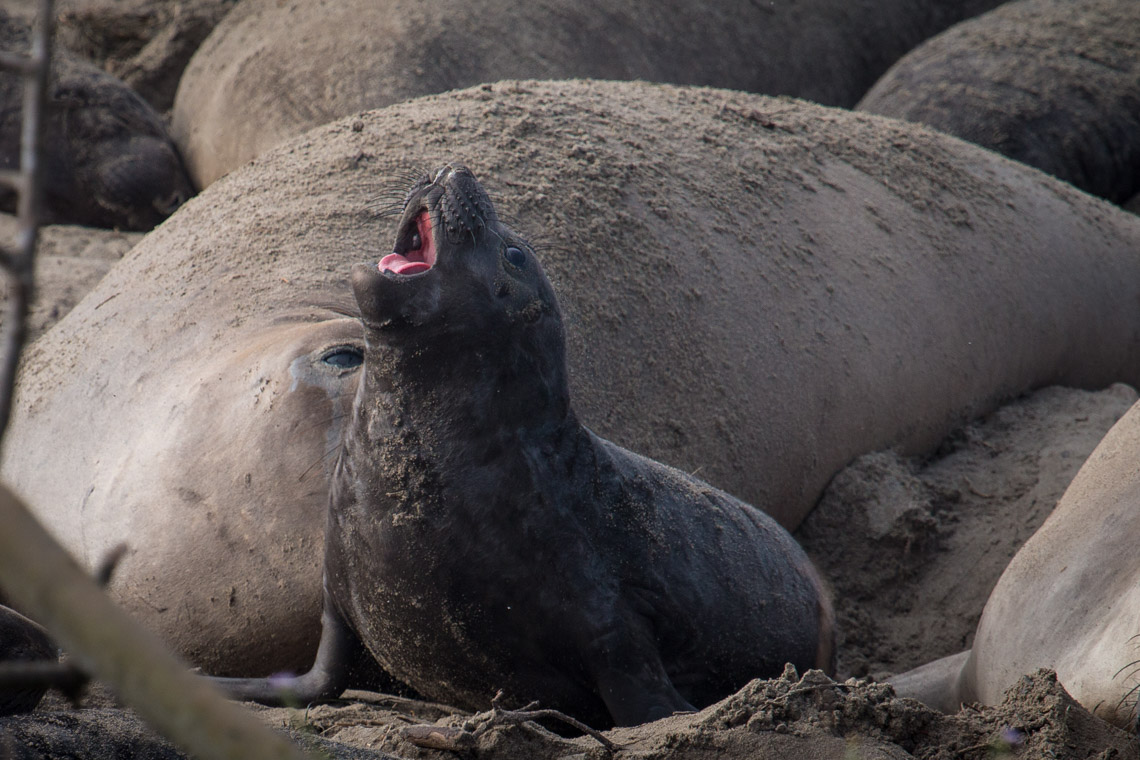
(331, 674)
(936, 684)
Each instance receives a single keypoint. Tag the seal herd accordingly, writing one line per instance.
(755, 289)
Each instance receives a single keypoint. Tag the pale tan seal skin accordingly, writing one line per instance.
(1052, 83)
(271, 70)
(755, 290)
(1069, 600)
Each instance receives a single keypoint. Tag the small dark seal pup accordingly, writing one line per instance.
(108, 160)
(22, 640)
(479, 537)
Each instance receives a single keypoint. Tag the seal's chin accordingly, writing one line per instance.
(415, 249)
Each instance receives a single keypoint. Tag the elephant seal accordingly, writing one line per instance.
(146, 43)
(108, 160)
(1051, 83)
(1069, 599)
(256, 80)
(25, 641)
(755, 290)
(479, 537)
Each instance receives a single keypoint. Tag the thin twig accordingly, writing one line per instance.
(18, 62)
(20, 266)
(458, 739)
(107, 567)
(529, 713)
(43, 674)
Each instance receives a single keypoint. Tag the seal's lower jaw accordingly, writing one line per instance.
(415, 248)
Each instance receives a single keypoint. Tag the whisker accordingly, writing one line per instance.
(319, 462)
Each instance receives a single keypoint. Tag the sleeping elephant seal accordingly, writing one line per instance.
(754, 290)
(1051, 83)
(24, 641)
(107, 158)
(270, 70)
(479, 537)
(1069, 599)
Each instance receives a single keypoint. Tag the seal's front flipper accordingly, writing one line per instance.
(330, 675)
(632, 680)
(634, 700)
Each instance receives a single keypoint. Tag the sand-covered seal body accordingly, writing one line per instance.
(271, 70)
(108, 161)
(480, 537)
(1051, 83)
(22, 640)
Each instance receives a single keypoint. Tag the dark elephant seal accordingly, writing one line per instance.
(23, 641)
(107, 161)
(754, 290)
(146, 43)
(1051, 83)
(271, 70)
(479, 537)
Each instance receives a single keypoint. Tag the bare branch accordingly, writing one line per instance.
(458, 739)
(44, 674)
(103, 641)
(20, 267)
(17, 62)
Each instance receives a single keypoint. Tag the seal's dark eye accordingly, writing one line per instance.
(344, 357)
(516, 256)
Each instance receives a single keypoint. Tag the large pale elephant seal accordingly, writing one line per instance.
(1051, 83)
(755, 290)
(271, 70)
(1069, 600)
(480, 538)
(107, 161)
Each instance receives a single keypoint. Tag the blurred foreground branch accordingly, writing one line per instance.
(45, 581)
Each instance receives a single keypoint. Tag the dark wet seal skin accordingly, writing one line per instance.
(22, 640)
(480, 538)
(108, 160)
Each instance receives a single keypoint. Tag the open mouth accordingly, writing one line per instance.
(415, 249)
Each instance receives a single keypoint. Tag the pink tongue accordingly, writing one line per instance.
(397, 263)
(414, 261)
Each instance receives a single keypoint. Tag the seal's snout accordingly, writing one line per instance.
(465, 208)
